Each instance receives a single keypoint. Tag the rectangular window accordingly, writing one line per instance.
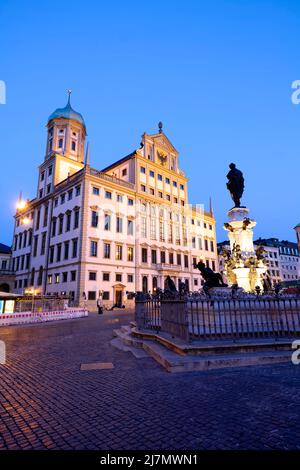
(92, 276)
(38, 216)
(129, 227)
(106, 253)
(151, 173)
(56, 276)
(50, 170)
(106, 277)
(124, 172)
(119, 198)
(119, 225)
(153, 256)
(171, 258)
(143, 169)
(130, 253)
(105, 295)
(49, 279)
(58, 252)
(35, 245)
(143, 227)
(107, 221)
(77, 191)
(118, 277)
(68, 223)
(159, 177)
(74, 247)
(91, 295)
(60, 224)
(118, 252)
(186, 261)
(53, 227)
(143, 188)
(212, 246)
(76, 219)
(144, 255)
(93, 248)
(129, 277)
(130, 202)
(108, 195)
(194, 242)
(65, 277)
(96, 191)
(73, 276)
(51, 254)
(66, 254)
(162, 257)
(62, 198)
(178, 259)
(206, 245)
(95, 219)
(167, 180)
(70, 194)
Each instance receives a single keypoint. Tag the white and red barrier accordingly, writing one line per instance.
(41, 317)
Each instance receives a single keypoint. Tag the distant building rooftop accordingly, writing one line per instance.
(5, 249)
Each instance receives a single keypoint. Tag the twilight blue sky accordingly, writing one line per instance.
(218, 74)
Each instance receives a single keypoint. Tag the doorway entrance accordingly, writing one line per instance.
(118, 297)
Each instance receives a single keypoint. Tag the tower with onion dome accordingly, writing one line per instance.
(65, 141)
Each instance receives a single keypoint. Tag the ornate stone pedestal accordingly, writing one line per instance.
(243, 266)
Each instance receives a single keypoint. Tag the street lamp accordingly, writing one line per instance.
(21, 203)
(25, 220)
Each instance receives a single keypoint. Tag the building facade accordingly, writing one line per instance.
(115, 231)
(7, 277)
(289, 260)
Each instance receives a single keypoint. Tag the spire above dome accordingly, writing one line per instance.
(67, 112)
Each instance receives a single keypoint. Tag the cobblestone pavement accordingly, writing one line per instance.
(48, 403)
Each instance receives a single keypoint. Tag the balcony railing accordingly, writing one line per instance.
(6, 272)
(168, 267)
(111, 179)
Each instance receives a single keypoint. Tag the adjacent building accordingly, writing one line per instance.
(116, 231)
(7, 278)
(289, 260)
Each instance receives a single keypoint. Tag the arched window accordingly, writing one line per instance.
(145, 284)
(73, 145)
(154, 284)
(60, 143)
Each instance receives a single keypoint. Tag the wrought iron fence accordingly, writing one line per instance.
(147, 314)
(222, 319)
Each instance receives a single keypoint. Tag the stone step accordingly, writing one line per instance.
(118, 343)
(128, 339)
(173, 362)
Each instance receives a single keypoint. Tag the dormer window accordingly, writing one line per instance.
(73, 145)
(60, 143)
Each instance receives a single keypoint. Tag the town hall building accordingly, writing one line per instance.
(116, 231)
